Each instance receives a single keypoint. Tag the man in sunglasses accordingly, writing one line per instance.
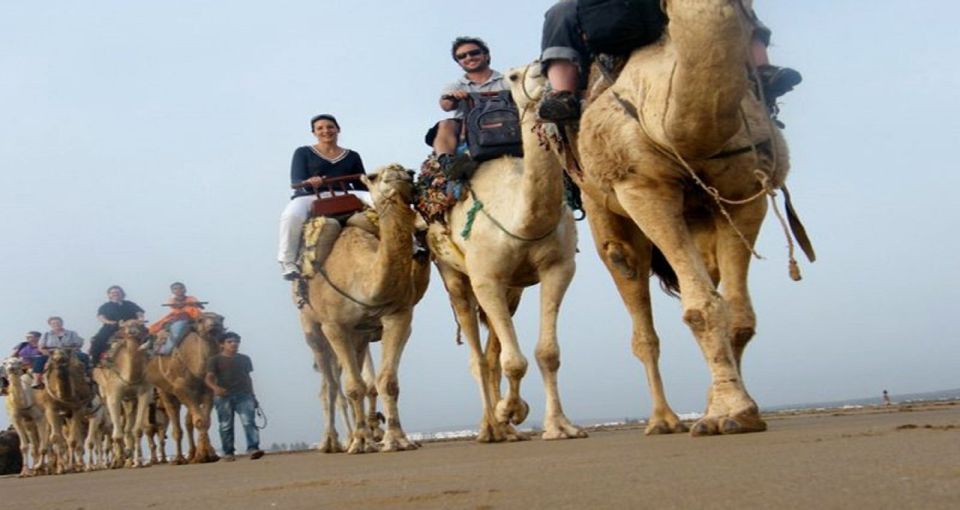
(473, 56)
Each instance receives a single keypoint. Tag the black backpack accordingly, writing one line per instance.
(493, 126)
(617, 27)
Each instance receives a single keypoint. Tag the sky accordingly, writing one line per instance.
(149, 142)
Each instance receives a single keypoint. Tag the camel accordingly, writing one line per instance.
(27, 418)
(367, 290)
(526, 235)
(124, 379)
(65, 399)
(179, 380)
(678, 156)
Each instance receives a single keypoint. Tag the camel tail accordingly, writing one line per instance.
(664, 271)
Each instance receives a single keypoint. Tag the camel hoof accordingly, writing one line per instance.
(331, 445)
(657, 428)
(705, 427)
(513, 435)
(178, 461)
(561, 428)
(398, 445)
(742, 424)
(514, 413)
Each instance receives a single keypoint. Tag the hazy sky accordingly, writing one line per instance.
(147, 142)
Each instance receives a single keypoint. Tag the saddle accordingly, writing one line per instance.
(334, 200)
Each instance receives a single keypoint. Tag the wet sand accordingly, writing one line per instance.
(896, 457)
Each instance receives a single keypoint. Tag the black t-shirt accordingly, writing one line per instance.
(307, 163)
(122, 311)
(232, 373)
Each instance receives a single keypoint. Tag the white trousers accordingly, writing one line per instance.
(294, 215)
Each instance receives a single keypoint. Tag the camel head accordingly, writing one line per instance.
(389, 181)
(133, 328)
(11, 367)
(526, 85)
(209, 325)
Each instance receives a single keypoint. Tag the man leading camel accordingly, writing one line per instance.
(473, 56)
(567, 50)
(228, 375)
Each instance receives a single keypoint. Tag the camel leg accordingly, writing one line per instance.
(465, 309)
(326, 363)
(173, 417)
(191, 433)
(492, 349)
(346, 351)
(660, 215)
(76, 442)
(492, 296)
(396, 331)
(625, 252)
(734, 263)
(115, 410)
(370, 379)
(554, 281)
(139, 421)
(200, 420)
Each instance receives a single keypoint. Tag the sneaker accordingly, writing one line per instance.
(559, 106)
(256, 454)
(457, 168)
(228, 458)
(290, 271)
(777, 81)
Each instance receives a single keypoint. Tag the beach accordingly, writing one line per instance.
(902, 456)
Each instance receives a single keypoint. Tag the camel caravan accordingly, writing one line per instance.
(661, 129)
(70, 421)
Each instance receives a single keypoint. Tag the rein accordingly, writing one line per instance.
(343, 293)
(478, 207)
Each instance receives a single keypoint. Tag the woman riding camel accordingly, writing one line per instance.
(57, 338)
(313, 164)
(110, 314)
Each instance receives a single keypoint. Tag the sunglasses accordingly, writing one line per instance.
(471, 53)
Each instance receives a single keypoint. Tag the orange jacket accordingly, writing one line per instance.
(178, 313)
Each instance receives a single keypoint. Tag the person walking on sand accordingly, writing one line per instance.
(886, 398)
(228, 375)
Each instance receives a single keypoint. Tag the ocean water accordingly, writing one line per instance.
(859, 403)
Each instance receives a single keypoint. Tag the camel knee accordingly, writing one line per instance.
(515, 367)
(618, 257)
(645, 349)
(355, 390)
(388, 381)
(548, 358)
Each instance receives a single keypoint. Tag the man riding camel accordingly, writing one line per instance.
(184, 309)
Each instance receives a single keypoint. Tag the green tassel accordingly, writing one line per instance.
(471, 215)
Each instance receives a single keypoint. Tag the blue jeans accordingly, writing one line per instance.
(245, 406)
(177, 330)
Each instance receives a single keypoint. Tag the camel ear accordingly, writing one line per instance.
(368, 180)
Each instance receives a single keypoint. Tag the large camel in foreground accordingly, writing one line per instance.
(179, 380)
(367, 290)
(65, 399)
(679, 154)
(123, 379)
(27, 418)
(522, 235)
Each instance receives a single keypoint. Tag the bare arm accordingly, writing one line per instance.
(211, 383)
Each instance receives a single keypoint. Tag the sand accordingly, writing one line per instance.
(896, 457)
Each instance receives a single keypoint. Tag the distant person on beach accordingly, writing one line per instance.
(116, 309)
(473, 57)
(27, 351)
(886, 398)
(312, 164)
(183, 309)
(228, 375)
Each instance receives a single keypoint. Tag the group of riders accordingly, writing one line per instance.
(164, 334)
(576, 33)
